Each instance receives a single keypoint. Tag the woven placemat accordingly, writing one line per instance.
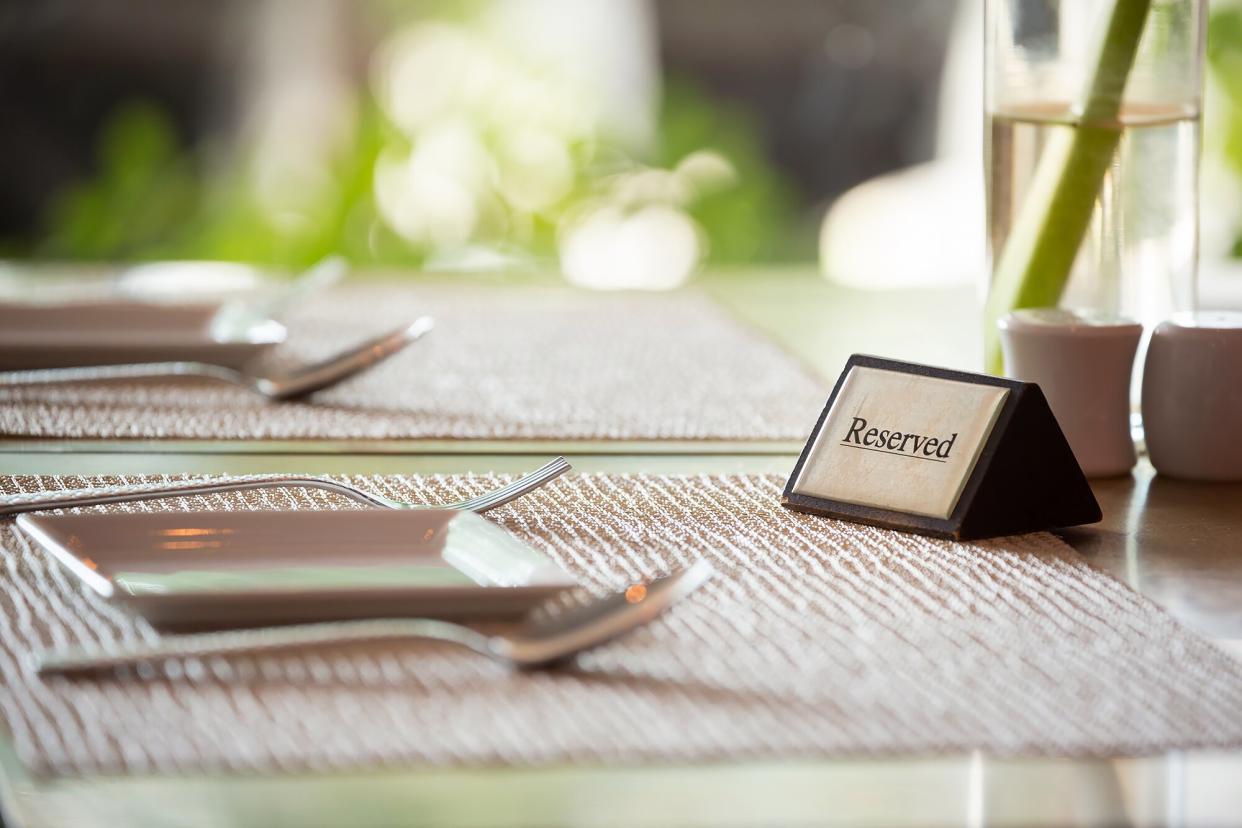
(503, 363)
(815, 639)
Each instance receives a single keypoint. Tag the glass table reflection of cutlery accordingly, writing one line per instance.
(241, 292)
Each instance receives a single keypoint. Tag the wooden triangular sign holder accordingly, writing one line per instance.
(1025, 478)
(1031, 481)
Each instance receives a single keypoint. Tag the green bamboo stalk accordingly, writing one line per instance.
(1035, 263)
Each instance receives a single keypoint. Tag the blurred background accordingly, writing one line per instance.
(621, 143)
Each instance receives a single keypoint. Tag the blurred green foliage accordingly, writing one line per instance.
(757, 218)
(1224, 55)
(144, 191)
(152, 197)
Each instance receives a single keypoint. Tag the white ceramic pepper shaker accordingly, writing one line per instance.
(1082, 361)
(1192, 396)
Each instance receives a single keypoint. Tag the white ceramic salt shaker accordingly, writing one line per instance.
(1192, 396)
(1082, 361)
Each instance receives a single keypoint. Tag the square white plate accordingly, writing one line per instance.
(109, 332)
(221, 569)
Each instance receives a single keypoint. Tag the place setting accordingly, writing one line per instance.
(118, 369)
(138, 333)
(574, 586)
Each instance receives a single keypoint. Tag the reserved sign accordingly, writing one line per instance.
(900, 441)
(910, 446)
(878, 438)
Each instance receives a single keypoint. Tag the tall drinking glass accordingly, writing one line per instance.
(1092, 155)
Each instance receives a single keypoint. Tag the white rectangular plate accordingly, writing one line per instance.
(220, 569)
(110, 332)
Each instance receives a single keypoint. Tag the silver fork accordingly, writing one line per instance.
(286, 386)
(16, 504)
(543, 639)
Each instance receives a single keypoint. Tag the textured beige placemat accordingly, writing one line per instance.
(816, 639)
(503, 363)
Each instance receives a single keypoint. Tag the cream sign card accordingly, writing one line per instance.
(940, 452)
(900, 441)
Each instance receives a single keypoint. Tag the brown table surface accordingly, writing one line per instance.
(1180, 543)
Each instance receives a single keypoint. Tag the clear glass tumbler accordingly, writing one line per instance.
(1092, 112)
